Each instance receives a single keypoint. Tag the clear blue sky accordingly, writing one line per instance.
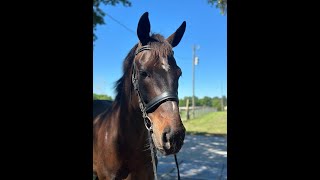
(206, 27)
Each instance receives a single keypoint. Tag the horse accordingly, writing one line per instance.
(146, 96)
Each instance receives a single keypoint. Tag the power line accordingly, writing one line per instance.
(128, 29)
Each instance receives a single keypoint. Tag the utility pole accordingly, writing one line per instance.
(194, 62)
(187, 105)
(222, 105)
(193, 58)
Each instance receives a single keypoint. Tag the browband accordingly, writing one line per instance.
(146, 47)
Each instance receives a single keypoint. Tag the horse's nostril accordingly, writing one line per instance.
(166, 140)
(166, 137)
(166, 134)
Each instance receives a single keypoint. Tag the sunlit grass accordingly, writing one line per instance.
(211, 123)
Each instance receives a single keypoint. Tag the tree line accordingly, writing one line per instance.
(205, 101)
(101, 97)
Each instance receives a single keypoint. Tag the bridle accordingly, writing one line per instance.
(146, 108)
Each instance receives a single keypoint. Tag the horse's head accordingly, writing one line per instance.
(157, 76)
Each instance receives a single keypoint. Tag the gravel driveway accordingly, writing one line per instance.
(201, 158)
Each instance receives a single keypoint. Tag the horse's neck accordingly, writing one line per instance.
(131, 123)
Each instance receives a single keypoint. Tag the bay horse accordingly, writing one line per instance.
(147, 96)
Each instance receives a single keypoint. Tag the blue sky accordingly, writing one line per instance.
(206, 27)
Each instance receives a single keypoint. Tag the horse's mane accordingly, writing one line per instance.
(159, 46)
(127, 64)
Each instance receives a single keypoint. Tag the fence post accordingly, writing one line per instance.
(187, 104)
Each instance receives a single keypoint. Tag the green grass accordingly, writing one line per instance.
(213, 123)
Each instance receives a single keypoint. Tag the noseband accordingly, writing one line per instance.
(148, 107)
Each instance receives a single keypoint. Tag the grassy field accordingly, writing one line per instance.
(213, 123)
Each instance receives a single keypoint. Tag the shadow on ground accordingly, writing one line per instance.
(205, 134)
(202, 157)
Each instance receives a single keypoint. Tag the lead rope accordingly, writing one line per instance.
(175, 159)
(145, 117)
(152, 156)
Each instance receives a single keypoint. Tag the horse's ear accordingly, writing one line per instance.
(143, 29)
(176, 37)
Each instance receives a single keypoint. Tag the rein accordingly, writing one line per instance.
(145, 108)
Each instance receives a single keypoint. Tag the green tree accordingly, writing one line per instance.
(98, 14)
(101, 97)
(224, 100)
(196, 101)
(183, 102)
(206, 101)
(221, 4)
(216, 103)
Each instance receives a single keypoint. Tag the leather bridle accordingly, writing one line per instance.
(148, 107)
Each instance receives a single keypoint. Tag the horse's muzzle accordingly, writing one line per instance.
(172, 140)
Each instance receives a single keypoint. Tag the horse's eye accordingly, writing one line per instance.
(143, 74)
